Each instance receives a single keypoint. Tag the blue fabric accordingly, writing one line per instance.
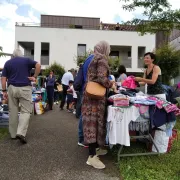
(159, 117)
(51, 81)
(80, 130)
(17, 70)
(85, 68)
(145, 102)
(80, 125)
(69, 98)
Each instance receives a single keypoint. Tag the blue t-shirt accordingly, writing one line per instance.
(85, 68)
(51, 81)
(17, 71)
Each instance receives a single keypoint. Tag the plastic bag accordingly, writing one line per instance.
(39, 108)
(129, 82)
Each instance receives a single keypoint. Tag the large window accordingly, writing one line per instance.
(45, 53)
(114, 54)
(81, 49)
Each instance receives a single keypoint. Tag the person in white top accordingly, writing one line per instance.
(68, 76)
(73, 102)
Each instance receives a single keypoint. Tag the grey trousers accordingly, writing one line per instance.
(23, 96)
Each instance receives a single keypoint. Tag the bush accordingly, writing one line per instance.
(114, 62)
(58, 70)
(168, 58)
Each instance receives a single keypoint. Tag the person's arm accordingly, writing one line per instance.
(71, 77)
(144, 77)
(37, 69)
(122, 78)
(102, 74)
(3, 82)
(37, 66)
(155, 75)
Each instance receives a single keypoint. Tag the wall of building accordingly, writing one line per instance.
(64, 42)
(176, 43)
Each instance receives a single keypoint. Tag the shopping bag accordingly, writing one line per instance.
(129, 83)
(59, 87)
(39, 108)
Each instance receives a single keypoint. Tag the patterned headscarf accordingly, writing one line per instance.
(102, 49)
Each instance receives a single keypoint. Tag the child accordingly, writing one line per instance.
(71, 97)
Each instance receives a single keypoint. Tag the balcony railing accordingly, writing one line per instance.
(44, 60)
(127, 62)
(103, 26)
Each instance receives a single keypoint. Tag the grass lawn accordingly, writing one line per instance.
(3, 132)
(162, 167)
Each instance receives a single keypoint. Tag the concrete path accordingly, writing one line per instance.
(52, 153)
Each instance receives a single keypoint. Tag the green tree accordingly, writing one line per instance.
(168, 58)
(58, 70)
(157, 15)
(113, 62)
(1, 52)
(80, 59)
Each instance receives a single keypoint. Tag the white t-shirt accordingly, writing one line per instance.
(119, 119)
(66, 78)
(74, 92)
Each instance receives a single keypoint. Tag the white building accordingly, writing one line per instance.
(174, 40)
(62, 38)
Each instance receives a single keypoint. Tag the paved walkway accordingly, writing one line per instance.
(51, 153)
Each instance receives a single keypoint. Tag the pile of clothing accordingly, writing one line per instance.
(4, 115)
(155, 114)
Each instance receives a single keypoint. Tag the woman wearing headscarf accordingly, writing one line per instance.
(93, 110)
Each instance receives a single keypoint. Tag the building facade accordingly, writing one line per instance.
(61, 39)
(174, 40)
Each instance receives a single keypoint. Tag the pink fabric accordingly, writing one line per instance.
(178, 85)
(123, 102)
(129, 82)
(170, 108)
(159, 104)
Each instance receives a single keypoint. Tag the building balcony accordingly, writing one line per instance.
(100, 26)
(123, 53)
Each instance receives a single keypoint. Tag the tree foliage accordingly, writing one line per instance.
(80, 59)
(168, 59)
(113, 62)
(157, 15)
(58, 70)
(1, 52)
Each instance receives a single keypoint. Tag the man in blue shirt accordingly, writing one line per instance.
(80, 127)
(16, 73)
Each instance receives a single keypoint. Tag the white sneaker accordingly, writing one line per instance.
(101, 152)
(95, 162)
(83, 145)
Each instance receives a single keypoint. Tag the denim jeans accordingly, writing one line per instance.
(80, 126)
(80, 130)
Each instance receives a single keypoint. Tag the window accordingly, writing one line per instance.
(78, 27)
(45, 53)
(81, 50)
(114, 54)
(129, 53)
(32, 52)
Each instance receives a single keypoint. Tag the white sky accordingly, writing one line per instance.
(107, 10)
